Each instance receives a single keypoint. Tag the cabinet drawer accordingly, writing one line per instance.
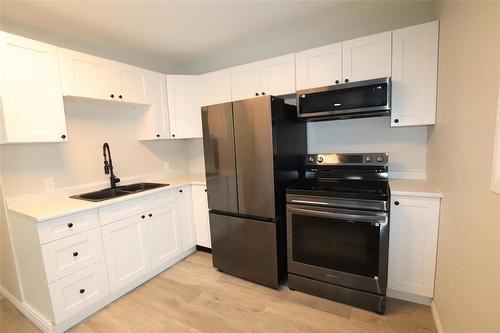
(159, 199)
(120, 211)
(66, 256)
(78, 291)
(67, 226)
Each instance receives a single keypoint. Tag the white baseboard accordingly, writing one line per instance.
(38, 320)
(409, 297)
(435, 315)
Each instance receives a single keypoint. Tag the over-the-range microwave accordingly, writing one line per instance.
(360, 99)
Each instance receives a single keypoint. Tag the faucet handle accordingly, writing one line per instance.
(117, 180)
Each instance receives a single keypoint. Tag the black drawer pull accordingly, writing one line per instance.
(70, 225)
(75, 254)
(396, 203)
(180, 191)
(82, 291)
(150, 215)
(143, 216)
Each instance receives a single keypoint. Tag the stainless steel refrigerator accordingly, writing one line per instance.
(253, 149)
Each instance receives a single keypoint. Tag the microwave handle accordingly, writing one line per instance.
(355, 217)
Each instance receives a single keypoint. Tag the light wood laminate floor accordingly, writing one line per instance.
(194, 297)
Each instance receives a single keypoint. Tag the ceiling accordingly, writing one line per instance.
(192, 36)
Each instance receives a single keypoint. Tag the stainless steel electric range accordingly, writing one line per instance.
(338, 229)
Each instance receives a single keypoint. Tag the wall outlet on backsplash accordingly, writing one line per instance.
(48, 183)
(166, 166)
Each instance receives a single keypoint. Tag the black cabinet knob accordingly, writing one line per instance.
(70, 225)
(82, 291)
(150, 215)
(143, 216)
(63, 136)
(157, 135)
(263, 93)
(173, 135)
(75, 254)
(337, 81)
(396, 121)
(396, 203)
(112, 96)
(346, 80)
(180, 191)
(205, 190)
(120, 96)
(256, 94)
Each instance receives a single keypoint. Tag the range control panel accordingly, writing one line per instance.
(348, 159)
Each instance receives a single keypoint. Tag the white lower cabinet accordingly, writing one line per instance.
(76, 292)
(126, 251)
(413, 244)
(164, 234)
(72, 266)
(200, 215)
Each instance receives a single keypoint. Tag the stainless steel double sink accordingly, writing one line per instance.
(110, 193)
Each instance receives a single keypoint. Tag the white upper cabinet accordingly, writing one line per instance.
(274, 76)
(215, 87)
(367, 57)
(87, 76)
(129, 83)
(278, 75)
(414, 75)
(183, 96)
(84, 75)
(246, 81)
(32, 108)
(321, 66)
(413, 244)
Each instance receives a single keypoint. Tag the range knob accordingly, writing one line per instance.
(368, 159)
(380, 158)
(310, 159)
(319, 159)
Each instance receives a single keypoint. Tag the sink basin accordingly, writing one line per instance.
(138, 187)
(111, 193)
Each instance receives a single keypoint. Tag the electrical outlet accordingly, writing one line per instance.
(48, 183)
(166, 166)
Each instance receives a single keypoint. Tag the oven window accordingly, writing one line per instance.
(346, 246)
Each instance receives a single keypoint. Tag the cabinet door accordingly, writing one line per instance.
(200, 215)
(279, 75)
(84, 75)
(130, 83)
(413, 244)
(186, 217)
(126, 251)
(32, 107)
(184, 109)
(164, 235)
(216, 87)
(321, 66)
(155, 123)
(367, 57)
(246, 81)
(414, 75)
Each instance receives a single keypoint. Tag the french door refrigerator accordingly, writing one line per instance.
(254, 149)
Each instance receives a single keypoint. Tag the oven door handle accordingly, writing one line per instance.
(343, 216)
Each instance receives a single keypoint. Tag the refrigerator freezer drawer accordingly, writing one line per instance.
(245, 248)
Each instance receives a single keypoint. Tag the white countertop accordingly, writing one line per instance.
(44, 210)
(414, 187)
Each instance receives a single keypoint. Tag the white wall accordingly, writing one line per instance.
(406, 146)
(80, 161)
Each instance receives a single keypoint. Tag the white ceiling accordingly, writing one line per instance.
(187, 36)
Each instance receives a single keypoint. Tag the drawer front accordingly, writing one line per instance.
(120, 211)
(78, 291)
(159, 199)
(66, 256)
(67, 226)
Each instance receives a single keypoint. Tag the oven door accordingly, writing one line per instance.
(340, 246)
